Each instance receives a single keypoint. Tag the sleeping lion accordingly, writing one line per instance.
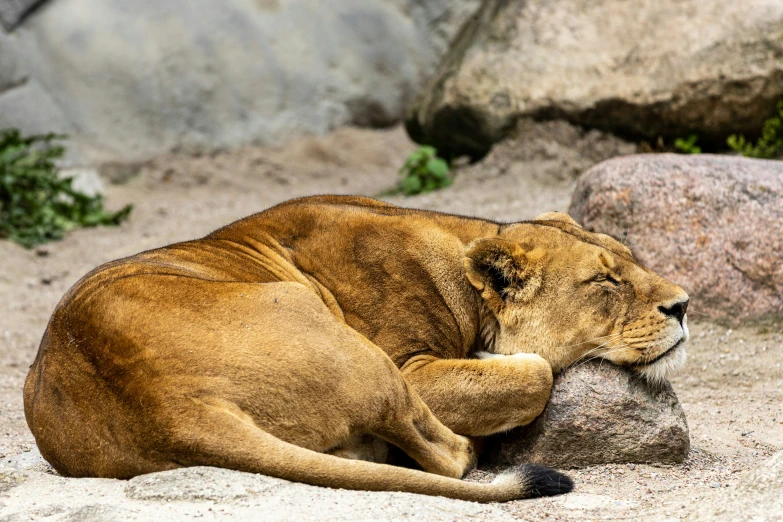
(310, 331)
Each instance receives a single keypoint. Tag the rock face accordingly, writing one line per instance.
(212, 494)
(13, 11)
(129, 79)
(598, 414)
(645, 68)
(758, 496)
(712, 224)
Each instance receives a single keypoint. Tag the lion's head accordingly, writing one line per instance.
(568, 294)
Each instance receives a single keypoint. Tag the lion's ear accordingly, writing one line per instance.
(558, 216)
(503, 271)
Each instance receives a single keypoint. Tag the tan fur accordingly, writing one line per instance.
(311, 329)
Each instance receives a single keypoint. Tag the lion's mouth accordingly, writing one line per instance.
(657, 369)
(663, 355)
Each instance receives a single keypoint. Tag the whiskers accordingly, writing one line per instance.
(594, 339)
(613, 344)
(599, 352)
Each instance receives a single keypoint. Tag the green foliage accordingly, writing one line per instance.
(424, 171)
(36, 205)
(769, 145)
(688, 145)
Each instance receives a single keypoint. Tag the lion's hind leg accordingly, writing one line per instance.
(279, 355)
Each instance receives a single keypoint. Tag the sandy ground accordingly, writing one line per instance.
(731, 390)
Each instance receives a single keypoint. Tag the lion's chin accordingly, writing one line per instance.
(657, 372)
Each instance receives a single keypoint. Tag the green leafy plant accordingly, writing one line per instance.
(424, 171)
(769, 145)
(36, 204)
(688, 145)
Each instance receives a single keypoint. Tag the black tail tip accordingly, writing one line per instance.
(545, 482)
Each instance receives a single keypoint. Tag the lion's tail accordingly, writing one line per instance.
(271, 456)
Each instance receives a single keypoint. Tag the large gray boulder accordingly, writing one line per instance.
(758, 497)
(712, 224)
(598, 414)
(129, 79)
(644, 68)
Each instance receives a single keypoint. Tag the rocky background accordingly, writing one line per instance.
(131, 79)
(201, 112)
(645, 69)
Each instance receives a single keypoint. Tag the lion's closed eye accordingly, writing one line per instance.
(605, 280)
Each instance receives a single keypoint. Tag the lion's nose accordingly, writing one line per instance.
(676, 310)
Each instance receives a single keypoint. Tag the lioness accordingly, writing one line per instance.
(279, 341)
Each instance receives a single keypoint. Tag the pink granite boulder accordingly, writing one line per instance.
(712, 224)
